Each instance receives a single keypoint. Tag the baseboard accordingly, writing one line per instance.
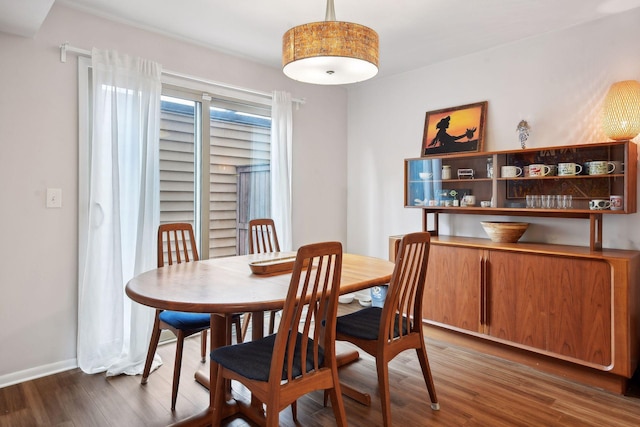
(38, 372)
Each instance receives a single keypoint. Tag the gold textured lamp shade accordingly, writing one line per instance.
(330, 52)
(621, 111)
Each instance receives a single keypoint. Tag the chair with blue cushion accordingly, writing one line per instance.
(301, 356)
(177, 243)
(397, 326)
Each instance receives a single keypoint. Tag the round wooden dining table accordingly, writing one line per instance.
(224, 286)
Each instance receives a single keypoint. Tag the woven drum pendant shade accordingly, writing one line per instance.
(330, 52)
(621, 111)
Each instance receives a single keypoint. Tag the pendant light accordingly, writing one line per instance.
(330, 52)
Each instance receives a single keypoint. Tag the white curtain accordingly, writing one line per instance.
(281, 162)
(121, 213)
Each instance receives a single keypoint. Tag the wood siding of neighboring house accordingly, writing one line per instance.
(235, 148)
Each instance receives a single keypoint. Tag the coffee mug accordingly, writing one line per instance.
(510, 171)
(539, 170)
(601, 167)
(569, 169)
(618, 167)
(617, 202)
(598, 205)
(469, 200)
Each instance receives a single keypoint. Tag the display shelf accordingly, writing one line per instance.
(507, 195)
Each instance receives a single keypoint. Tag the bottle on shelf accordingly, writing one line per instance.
(446, 172)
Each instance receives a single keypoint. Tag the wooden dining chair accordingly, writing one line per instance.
(177, 243)
(301, 356)
(397, 326)
(263, 239)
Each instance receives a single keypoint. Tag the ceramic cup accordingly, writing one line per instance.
(617, 202)
(601, 167)
(485, 204)
(598, 205)
(569, 169)
(618, 167)
(539, 170)
(469, 200)
(510, 171)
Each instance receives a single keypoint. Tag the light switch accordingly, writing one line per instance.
(54, 197)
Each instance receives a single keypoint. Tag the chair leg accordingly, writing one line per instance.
(428, 379)
(236, 321)
(176, 369)
(294, 410)
(383, 385)
(336, 402)
(246, 321)
(153, 345)
(272, 321)
(272, 417)
(203, 346)
(218, 403)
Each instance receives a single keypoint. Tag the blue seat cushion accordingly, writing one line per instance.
(253, 359)
(365, 324)
(186, 321)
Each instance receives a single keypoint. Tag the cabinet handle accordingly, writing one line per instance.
(484, 291)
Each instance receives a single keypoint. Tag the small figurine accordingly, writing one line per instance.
(523, 132)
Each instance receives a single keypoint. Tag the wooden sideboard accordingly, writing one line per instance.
(566, 310)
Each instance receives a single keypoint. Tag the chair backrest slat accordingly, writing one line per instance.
(262, 236)
(310, 309)
(177, 240)
(403, 304)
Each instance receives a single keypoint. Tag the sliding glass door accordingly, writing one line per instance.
(220, 185)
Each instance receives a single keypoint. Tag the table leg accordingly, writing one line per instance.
(343, 359)
(218, 338)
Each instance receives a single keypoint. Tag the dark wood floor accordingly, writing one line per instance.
(473, 389)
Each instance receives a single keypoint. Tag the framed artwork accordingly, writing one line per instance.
(454, 130)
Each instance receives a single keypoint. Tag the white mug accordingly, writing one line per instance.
(601, 167)
(510, 171)
(539, 170)
(598, 205)
(569, 169)
(617, 202)
(469, 200)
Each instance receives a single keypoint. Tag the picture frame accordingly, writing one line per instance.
(454, 130)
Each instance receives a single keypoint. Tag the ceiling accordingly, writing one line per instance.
(413, 33)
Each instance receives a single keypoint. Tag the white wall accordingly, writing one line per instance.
(38, 140)
(556, 82)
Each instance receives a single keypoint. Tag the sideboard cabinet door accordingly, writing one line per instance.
(452, 289)
(516, 298)
(557, 304)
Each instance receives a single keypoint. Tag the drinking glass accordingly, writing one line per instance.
(547, 201)
(530, 201)
(537, 201)
(567, 201)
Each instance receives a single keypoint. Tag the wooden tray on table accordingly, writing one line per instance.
(278, 265)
